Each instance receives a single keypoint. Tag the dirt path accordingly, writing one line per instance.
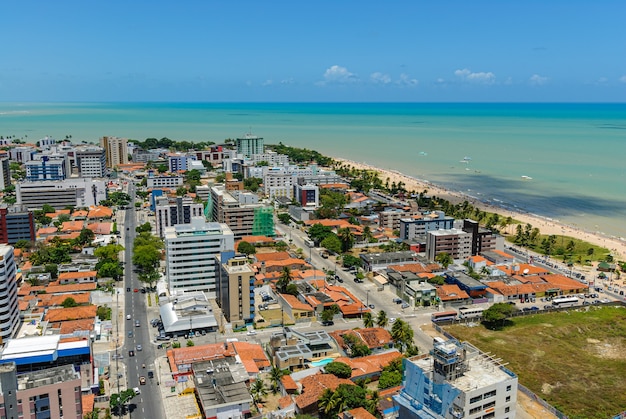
(530, 409)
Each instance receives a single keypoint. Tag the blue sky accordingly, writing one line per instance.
(320, 50)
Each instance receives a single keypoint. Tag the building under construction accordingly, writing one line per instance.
(456, 380)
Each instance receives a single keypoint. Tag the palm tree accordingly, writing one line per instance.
(327, 402)
(347, 239)
(275, 376)
(284, 280)
(402, 333)
(368, 320)
(258, 390)
(381, 319)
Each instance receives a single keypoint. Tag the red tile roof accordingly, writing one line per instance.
(198, 353)
(314, 385)
(264, 257)
(74, 313)
(371, 364)
(252, 352)
(451, 292)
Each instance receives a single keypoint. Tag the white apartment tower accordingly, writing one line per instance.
(190, 251)
(116, 150)
(90, 161)
(9, 313)
(249, 145)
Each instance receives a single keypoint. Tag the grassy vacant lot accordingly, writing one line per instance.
(575, 360)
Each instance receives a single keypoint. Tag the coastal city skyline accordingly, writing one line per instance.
(246, 51)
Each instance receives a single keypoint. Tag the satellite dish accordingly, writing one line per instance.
(526, 271)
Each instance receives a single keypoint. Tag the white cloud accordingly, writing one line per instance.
(287, 81)
(405, 80)
(338, 74)
(623, 79)
(380, 78)
(537, 80)
(480, 77)
(267, 83)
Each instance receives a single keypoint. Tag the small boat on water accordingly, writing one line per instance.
(526, 177)
(423, 153)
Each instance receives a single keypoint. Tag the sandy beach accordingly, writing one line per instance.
(545, 225)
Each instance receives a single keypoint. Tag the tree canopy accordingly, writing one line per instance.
(338, 369)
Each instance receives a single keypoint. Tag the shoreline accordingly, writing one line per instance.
(546, 225)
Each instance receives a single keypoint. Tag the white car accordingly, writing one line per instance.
(137, 391)
(128, 317)
(391, 320)
(251, 332)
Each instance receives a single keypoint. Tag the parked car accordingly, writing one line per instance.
(128, 317)
(139, 348)
(372, 306)
(137, 391)
(137, 324)
(130, 334)
(397, 300)
(251, 333)
(328, 323)
(162, 337)
(131, 353)
(405, 305)
(150, 374)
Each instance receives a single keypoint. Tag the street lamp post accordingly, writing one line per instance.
(367, 298)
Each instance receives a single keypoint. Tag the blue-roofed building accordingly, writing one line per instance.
(473, 287)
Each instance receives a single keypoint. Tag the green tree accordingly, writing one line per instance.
(332, 243)
(108, 252)
(85, 237)
(246, 248)
(284, 279)
(190, 343)
(144, 228)
(318, 232)
(368, 320)
(381, 319)
(389, 379)
(52, 269)
(118, 400)
(292, 289)
(146, 257)
(327, 315)
(347, 239)
(275, 375)
(350, 261)
(338, 369)
(110, 269)
(444, 259)
(47, 209)
(258, 390)
(354, 347)
(103, 312)
(496, 315)
(402, 334)
(181, 191)
(23, 244)
(69, 302)
(284, 218)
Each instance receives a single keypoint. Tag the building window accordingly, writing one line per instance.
(508, 388)
(476, 399)
(491, 393)
(488, 405)
(475, 410)
(508, 398)
(489, 415)
(507, 409)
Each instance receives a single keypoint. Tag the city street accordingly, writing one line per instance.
(148, 404)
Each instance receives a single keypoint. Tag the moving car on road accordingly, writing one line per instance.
(142, 380)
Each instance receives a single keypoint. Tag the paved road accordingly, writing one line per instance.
(149, 403)
(367, 292)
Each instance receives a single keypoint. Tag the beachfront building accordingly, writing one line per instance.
(80, 192)
(235, 288)
(9, 312)
(15, 225)
(5, 172)
(249, 145)
(171, 212)
(456, 380)
(190, 251)
(457, 243)
(390, 217)
(483, 240)
(90, 161)
(116, 150)
(417, 225)
(48, 393)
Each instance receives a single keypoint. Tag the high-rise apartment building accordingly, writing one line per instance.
(235, 288)
(9, 313)
(16, 225)
(47, 168)
(249, 145)
(173, 212)
(190, 251)
(90, 161)
(5, 172)
(116, 150)
(457, 243)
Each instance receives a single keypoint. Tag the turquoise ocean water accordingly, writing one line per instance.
(574, 153)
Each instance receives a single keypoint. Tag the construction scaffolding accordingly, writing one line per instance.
(263, 224)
